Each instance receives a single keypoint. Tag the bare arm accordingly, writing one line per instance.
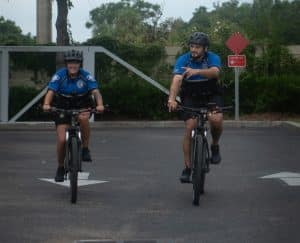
(49, 97)
(212, 72)
(174, 90)
(99, 101)
(48, 100)
(175, 86)
(98, 97)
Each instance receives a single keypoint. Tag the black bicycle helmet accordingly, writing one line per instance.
(199, 38)
(73, 55)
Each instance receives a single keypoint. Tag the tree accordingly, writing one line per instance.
(201, 19)
(11, 34)
(133, 21)
(63, 35)
(174, 31)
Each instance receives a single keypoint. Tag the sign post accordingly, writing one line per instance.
(237, 62)
(236, 91)
(237, 43)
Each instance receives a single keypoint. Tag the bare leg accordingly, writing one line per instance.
(85, 128)
(61, 141)
(190, 124)
(216, 126)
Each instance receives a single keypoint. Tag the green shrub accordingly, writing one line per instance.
(278, 94)
(131, 98)
(268, 94)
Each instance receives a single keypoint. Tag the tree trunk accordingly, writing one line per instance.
(62, 37)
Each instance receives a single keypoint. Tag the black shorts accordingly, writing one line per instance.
(78, 102)
(196, 96)
(61, 118)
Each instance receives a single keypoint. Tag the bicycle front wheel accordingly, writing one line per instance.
(204, 163)
(199, 163)
(73, 168)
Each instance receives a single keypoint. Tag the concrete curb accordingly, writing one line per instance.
(23, 126)
(293, 124)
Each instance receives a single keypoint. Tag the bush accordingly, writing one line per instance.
(278, 94)
(268, 94)
(131, 98)
(128, 99)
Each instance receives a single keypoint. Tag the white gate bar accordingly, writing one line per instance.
(29, 105)
(133, 69)
(4, 90)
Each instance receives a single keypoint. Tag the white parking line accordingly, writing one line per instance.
(83, 180)
(290, 178)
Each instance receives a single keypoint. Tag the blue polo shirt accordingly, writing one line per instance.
(211, 60)
(62, 84)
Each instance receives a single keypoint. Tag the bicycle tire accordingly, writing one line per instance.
(198, 169)
(204, 164)
(73, 168)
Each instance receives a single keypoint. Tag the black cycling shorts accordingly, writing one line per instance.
(196, 96)
(76, 102)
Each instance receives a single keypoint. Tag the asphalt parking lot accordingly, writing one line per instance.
(142, 199)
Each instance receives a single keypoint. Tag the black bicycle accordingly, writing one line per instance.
(200, 154)
(73, 148)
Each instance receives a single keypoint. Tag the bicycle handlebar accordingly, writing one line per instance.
(77, 111)
(211, 107)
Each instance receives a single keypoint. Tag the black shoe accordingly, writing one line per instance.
(86, 156)
(215, 154)
(185, 176)
(60, 174)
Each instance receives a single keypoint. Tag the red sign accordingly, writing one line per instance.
(237, 43)
(236, 61)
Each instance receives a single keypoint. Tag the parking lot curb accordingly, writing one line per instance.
(145, 124)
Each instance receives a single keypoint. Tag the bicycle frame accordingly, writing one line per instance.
(200, 155)
(72, 161)
(73, 150)
(73, 131)
(200, 130)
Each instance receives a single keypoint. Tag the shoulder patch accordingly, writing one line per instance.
(55, 78)
(90, 78)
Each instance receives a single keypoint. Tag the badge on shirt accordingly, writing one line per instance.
(80, 84)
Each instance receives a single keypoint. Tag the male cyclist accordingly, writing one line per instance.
(72, 88)
(196, 78)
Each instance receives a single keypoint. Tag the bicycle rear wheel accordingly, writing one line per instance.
(199, 163)
(73, 168)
